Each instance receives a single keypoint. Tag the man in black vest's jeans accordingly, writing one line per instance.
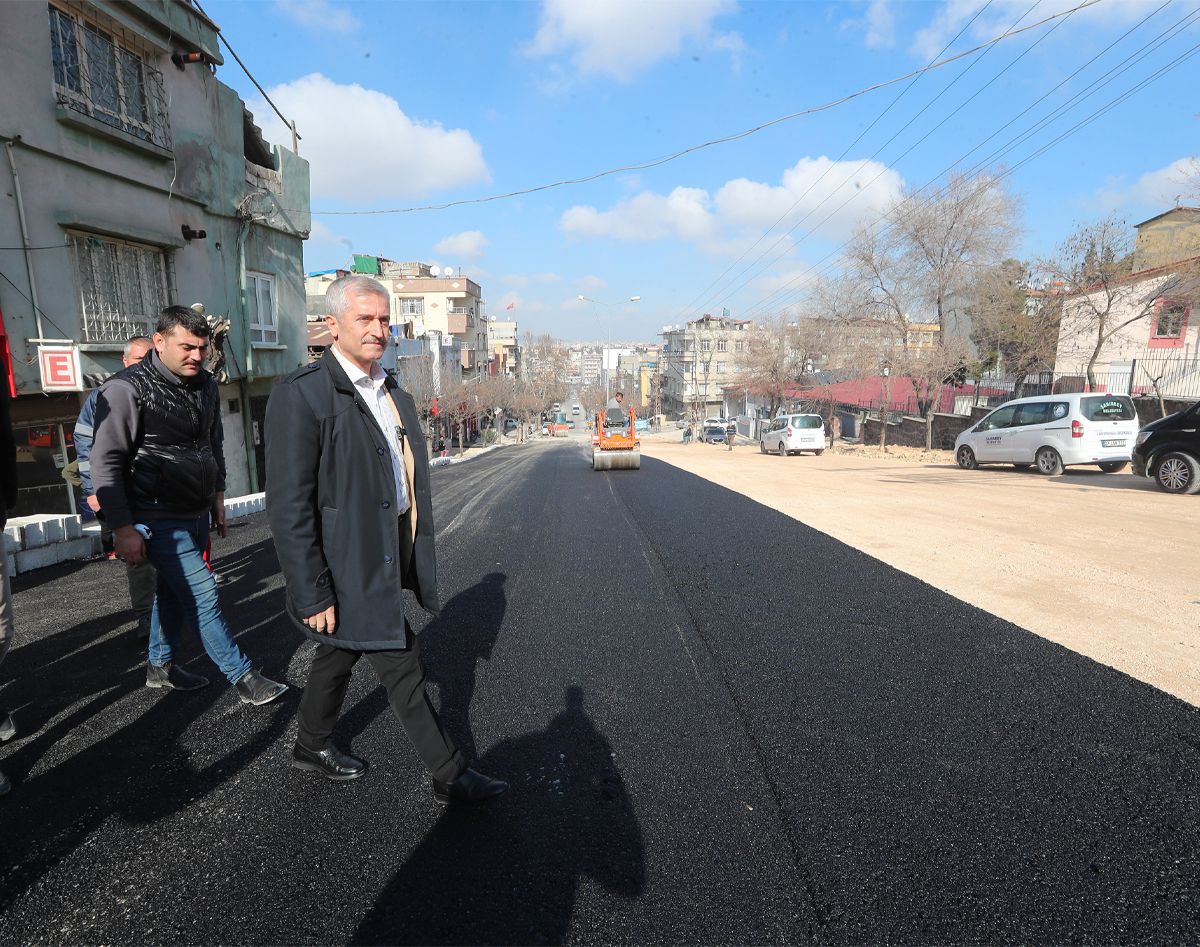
(158, 468)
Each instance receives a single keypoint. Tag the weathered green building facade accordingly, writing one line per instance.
(132, 178)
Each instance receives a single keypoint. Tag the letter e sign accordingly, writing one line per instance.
(60, 368)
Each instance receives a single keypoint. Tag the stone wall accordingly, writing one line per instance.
(910, 432)
(1148, 408)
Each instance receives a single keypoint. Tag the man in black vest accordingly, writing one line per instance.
(158, 469)
(349, 504)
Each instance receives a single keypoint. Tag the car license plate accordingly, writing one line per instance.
(1118, 442)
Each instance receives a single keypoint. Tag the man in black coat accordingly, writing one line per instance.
(349, 506)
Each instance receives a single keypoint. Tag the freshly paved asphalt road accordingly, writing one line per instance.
(720, 727)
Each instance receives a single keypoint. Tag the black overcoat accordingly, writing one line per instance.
(331, 502)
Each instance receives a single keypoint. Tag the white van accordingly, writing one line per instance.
(792, 433)
(1053, 432)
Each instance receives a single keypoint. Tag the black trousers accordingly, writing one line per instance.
(403, 675)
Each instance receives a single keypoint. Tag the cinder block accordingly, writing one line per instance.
(44, 556)
(34, 535)
(11, 561)
(13, 537)
(56, 529)
(74, 526)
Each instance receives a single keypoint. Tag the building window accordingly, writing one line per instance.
(722, 345)
(720, 368)
(412, 307)
(95, 76)
(739, 346)
(122, 286)
(706, 345)
(1169, 328)
(260, 308)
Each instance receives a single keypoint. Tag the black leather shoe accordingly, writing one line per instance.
(173, 677)
(470, 787)
(330, 762)
(255, 689)
(8, 726)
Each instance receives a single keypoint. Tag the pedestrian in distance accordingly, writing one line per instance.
(141, 576)
(730, 434)
(8, 492)
(158, 469)
(687, 433)
(349, 506)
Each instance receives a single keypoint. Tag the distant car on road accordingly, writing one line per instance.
(1053, 432)
(570, 425)
(793, 434)
(1168, 451)
(576, 409)
(713, 434)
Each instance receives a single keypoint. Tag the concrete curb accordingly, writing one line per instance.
(33, 542)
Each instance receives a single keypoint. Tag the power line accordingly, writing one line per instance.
(776, 297)
(54, 246)
(845, 151)
(946, 88)
(245, 69)
(39, 309)
(657, 162)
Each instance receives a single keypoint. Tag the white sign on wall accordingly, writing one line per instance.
(59, 365)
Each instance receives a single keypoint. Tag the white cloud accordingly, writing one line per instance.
(620, 38)
(591, 283)
(470, 245)
(1179, 182)
(878, 24)
(362, 146)
(810, 194)
(319, 15)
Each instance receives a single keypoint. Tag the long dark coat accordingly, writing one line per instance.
(331, 502)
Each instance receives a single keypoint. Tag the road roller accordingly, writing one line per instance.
(615, 444)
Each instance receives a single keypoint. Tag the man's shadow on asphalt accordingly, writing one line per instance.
(142, 771)
(507, 872)
(452, 645)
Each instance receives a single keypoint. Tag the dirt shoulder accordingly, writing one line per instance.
(1103, 564)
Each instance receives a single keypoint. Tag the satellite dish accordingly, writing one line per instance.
(435, 271)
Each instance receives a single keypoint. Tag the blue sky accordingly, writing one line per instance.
(408, 104)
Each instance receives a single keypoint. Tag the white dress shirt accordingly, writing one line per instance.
(374, 392)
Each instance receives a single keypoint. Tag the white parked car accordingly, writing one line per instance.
(792, 433)
(1053, 432)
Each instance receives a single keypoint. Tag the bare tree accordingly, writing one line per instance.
(1102, 297)
(769, 364)
(919, 268)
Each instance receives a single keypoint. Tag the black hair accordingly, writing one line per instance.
(187, 319)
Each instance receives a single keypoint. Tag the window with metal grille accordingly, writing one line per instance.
(412, 307)
(95, 76)
(1171, 319)
(260, 308)
(122, 286)
(722, 345)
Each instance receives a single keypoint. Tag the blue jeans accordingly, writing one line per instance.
(187, 595)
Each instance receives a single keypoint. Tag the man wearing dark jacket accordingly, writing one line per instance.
(349, 506)
(158, 464)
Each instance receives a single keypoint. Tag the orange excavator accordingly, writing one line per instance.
(615, 444)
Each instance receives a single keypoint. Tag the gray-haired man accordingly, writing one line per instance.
(349, 505)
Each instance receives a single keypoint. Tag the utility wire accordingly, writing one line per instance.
(690, 306)
(657, 162)
(55, 246)
(262, 91)
(777, 297)
(64, 334)
(946, 88)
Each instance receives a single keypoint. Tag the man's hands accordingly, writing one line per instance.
(218, 516)
(323, 623)
(129, 544)
(94, 503)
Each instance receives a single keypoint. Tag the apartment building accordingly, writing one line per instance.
(698, 360)
(504, 351)
(425, 299)
(134, 179)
